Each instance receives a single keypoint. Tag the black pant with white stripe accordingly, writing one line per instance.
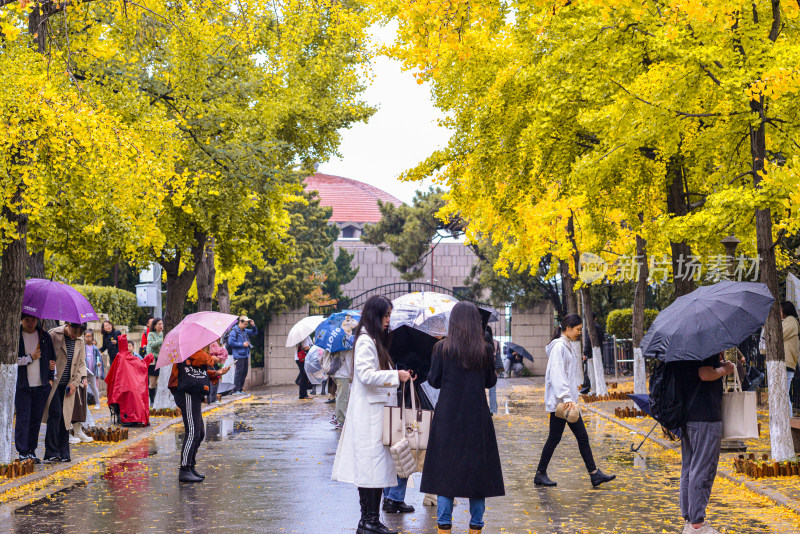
(191, 406)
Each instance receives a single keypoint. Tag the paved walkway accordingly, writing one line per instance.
(269, 459)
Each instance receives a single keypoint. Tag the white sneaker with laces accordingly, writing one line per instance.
(73, 440)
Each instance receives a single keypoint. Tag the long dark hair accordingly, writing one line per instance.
(372, 321)
(788, 308)
(465, 341)
(570, 321)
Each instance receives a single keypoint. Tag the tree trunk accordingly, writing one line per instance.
(678, 207)
(163, 399)
(639, 294)
(597, 351)
(12, 288)
(179, 283)
(568, 287)
(780, 433)
(206, 272)
(36, 269)
(223, 297)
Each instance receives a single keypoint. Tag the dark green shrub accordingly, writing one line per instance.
(118, 304)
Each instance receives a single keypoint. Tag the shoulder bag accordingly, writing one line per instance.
(739, 416)
(192, 380)
(412, 424)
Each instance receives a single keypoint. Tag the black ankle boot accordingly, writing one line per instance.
(195, 473)
(186, 475)
(541, 479)
(396, 507)
(598, 477)
(152, 396)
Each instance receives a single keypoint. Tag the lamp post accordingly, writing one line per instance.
(730, 243)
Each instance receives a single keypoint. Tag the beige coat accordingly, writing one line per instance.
(76, 377)
(791, 343)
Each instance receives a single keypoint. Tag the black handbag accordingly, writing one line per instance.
(192, 380)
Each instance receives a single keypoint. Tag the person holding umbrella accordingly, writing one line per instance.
(110, 344)
(71, 364)
(561, 387)
(36, 360)
(187, 348)
(361, 458)
(688, 338)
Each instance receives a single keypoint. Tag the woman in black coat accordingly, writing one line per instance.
(110, 335)
(462, 459)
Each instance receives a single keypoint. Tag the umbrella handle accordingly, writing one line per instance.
(639, 446)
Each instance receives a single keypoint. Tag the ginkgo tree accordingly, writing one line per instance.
(590, 113)
(57, 151)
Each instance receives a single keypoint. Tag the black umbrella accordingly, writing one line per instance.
(411, 349)
(707, 321)
(488, 315)
(519, 349)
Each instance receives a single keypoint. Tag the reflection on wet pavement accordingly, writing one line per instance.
(269, 463)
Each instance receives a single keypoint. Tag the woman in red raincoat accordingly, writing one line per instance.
(127, 386)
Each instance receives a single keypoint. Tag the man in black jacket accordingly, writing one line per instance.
(36, 360)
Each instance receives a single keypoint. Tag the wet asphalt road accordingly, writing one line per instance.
(269, 461)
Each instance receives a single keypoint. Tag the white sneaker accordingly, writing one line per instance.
(73, 440)
(84, 438)
(705, 528)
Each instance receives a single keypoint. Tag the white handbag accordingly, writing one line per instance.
(739, 417)
(413, 425)
(405, 463)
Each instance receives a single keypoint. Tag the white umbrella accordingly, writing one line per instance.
(302, 329)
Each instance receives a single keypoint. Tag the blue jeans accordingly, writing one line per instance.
(444, 511)
(397, 493)
(493, 399)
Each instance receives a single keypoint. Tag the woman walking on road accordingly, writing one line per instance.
(361, 458)
(561, 386)
(462, 459)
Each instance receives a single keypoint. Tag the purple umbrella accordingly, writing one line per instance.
(47, 299)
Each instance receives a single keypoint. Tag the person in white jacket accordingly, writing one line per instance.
(561, 382)
(361, 458)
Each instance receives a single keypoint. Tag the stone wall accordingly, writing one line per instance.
(533, 328)
(452, 263)
(279, 366)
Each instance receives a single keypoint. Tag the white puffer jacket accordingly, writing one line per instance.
(563, 373)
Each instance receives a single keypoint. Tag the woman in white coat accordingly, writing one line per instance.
(361, 458)
(561, 382)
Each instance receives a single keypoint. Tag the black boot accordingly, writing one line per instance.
(372, 521)
(598, 477)
(396, 507)
(195, 473)
(362, 500)
(186, 475)
(152, 396)
(541, 479)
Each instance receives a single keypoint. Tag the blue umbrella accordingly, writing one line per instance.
(707, 321)
(337, 332)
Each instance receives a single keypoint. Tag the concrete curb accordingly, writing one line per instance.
(776, 497)
(52, 482)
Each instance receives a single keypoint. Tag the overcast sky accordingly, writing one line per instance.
(399, 135)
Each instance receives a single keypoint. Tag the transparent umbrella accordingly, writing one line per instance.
(425, 311)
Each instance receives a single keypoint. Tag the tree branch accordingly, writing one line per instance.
(775, 31)
(710, 75)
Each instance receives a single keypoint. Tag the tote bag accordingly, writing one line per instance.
(739, 418)
(401, 423)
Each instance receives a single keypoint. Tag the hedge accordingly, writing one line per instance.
(118, 304)
(620, 322)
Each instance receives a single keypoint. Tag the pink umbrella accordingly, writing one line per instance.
(192, 334)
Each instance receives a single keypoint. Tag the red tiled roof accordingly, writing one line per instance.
(351, 200)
